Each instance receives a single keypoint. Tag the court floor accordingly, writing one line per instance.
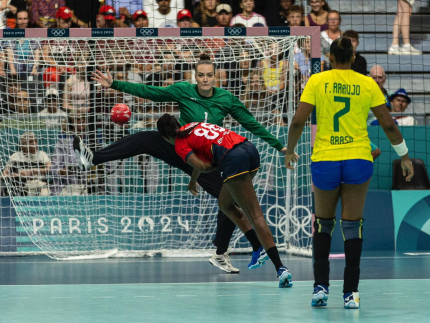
(394, 287)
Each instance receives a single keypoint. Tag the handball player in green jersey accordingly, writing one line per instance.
(201, 102)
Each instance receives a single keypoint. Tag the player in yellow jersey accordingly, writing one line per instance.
(341, 161)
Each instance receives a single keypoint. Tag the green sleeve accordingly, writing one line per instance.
(171, 93)
(246, 119)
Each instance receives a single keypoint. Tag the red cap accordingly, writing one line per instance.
(64, 13)
(139, 13)
(108, 12)
(184, 13)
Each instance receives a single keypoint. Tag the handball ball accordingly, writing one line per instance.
(120, 114)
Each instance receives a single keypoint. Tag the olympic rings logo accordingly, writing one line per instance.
(147, 32)
(58, 32)
(316, 68)
(234, 31)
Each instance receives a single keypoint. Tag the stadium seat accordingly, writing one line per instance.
(420, 181)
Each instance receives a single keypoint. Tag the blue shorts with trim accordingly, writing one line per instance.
(327, 175)
(241, 159)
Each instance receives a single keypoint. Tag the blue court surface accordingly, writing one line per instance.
(394, 287)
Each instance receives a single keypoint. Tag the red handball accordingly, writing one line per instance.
(120, 114)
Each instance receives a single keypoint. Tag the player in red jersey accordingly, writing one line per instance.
(206, 147)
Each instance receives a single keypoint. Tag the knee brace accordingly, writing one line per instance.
(324, 225)
(351, 229)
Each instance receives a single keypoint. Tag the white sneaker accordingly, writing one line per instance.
(351, 300)
(394, 50)
(408, 49)
(84, 155)
(223, 263)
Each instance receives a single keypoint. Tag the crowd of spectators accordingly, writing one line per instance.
(50, 78)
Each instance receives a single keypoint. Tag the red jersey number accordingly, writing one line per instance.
(209, 131)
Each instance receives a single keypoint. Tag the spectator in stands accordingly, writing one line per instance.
(377, 73)
(164, 16)
(318, 15)
(257, 101)
(27, 168)
(43, 12)
(22, 19)
(224, 15)
(237, 78)
(67, 179)
(248, 17)
(328, 36)
(17, 5)
(100, 21)
(280, 18)
(77, 89)
(64, 17)
(295, 16)
(83, 12)
(52, 115)
(399, 103)
(122, 6)
(185, 19)
(109, 16)
(140, 19)
(206, 13)
(359, 65)
(402, 24)
(274, 70)
(303, 60)
(20, 102)
(23, 56)
(151, 5)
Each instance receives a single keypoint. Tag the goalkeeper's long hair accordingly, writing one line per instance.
(169, 127)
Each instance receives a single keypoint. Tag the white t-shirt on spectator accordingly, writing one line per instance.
(54, 120)
(405, 121)
(151, 5)
(255, 20)
(156, 19)
(22, 162)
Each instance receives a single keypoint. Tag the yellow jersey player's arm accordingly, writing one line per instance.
(387, 123)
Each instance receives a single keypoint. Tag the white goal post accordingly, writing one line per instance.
(141, 206)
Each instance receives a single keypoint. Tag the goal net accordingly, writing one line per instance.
(139, 206)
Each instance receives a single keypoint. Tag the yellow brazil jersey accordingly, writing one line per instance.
(342, 99)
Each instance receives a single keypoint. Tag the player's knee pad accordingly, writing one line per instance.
(324, 225)
(351, 229)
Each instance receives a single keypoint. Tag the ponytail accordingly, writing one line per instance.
(205, 60)
(342, 50)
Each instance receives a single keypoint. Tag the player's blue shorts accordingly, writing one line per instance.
(327, 175)
(241, 159)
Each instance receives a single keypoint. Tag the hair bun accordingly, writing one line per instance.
(345, 43)
(204, 57)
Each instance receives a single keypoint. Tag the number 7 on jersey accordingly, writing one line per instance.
(342, 112)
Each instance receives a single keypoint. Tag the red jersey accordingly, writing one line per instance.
(201, 139)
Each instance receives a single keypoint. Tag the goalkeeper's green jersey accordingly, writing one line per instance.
(196, 108)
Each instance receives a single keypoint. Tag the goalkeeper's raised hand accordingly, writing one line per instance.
(104, 80)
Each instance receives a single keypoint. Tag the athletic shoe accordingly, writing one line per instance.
(320, 296)
(258, 258)
(223, 263)
(409, 50)
(394, 50)
(84, 155)
(284, 277)
(351, 300)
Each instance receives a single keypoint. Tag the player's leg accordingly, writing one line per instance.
(326, 177)
(228, 207)
(356, 178)
(242, 191)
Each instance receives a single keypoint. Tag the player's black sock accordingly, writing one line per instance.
(274, 256)
(321, 248)
(253, 239)
(352, 270)
(224, 231)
